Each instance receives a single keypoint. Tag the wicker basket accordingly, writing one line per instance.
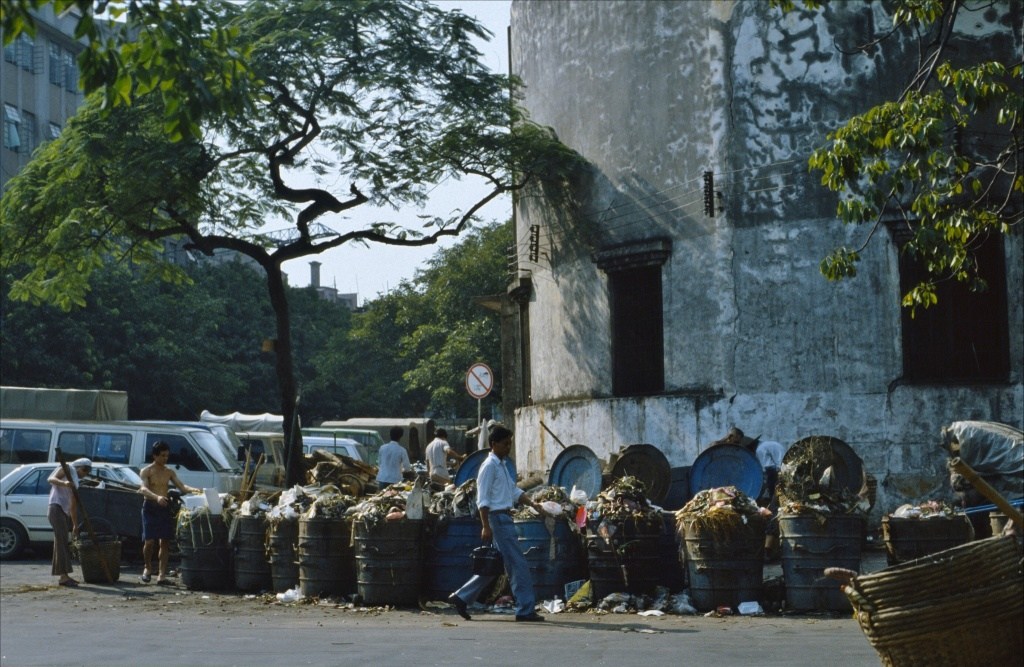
(961, 606)
(93, 555)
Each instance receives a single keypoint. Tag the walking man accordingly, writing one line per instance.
(496, 495)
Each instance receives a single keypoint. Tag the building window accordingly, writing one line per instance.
(638, 353)
(56, 69)
(28, 132)
(21, 52)
(635, 300)
(965, 336)
(12, 137)
(26, 52)
(70, 72)
(54, 130)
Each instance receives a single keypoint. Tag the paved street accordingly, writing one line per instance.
(133, 624)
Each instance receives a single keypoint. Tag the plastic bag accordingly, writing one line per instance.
(291, 595)
(555, 606)
(578, 496)
(552, 508)
(414, 502)
(750, 609)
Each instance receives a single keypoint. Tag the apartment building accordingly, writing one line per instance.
(39, 88)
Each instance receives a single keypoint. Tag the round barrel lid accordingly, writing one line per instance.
(577, 465)
(470, 466)
(726, 465)
(648, 464)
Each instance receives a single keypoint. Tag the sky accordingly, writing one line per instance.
(370, 271)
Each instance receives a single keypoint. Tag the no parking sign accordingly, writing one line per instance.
(479, 380)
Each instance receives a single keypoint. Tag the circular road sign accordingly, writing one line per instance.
(479, 380)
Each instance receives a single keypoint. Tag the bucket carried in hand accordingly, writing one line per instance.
(487, 561)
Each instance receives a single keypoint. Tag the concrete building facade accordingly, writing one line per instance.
(642, 319)
(39, 88)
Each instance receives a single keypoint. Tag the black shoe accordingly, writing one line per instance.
(460, 606)
(530, 618)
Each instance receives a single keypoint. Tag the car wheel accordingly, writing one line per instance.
(13, 539)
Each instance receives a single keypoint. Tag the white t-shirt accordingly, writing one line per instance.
(437, 458)
(770, 453)
(392, 460)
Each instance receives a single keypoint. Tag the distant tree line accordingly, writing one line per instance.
(178, 349)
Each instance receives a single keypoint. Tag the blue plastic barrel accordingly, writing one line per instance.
(555, 556)
(448, 564)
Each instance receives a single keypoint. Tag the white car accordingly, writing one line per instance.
(337, 446)
(24, 501)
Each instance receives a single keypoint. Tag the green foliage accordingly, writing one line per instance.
(232, 107)
(184, 51)
(176, 349)
(408, 351)
(86, 200)
(944, 158)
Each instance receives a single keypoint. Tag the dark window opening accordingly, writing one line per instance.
(965, 336)
(638, 359)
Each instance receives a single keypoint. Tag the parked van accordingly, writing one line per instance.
(197, 457)
(418, 432)
(369, 438)
(271, 447)
(337, 446)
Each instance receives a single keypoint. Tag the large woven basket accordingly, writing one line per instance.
(961, 606)
(102, 557)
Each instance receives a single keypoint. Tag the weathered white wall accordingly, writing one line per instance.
(654, 93)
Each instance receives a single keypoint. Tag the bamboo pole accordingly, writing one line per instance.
(985, 489)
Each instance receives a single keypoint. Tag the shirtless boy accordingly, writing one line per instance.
(157, 522)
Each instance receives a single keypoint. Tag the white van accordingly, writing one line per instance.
(337, 446)
(369, 438)
(271, 472)
(197, 457)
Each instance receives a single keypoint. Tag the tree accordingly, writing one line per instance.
(176, 349)
(408, 351)
(944, 158)
(457, 332)
(182, 50)
(389, 96)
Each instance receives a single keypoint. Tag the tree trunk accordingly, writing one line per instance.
(295, 469)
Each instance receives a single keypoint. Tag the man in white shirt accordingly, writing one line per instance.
(439, 452)
(769, 454)
(392, 460)
(496, 495)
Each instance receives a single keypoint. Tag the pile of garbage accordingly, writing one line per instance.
(927, 510)
(623, 503)
(454, 502)
(810, 481)
(660, 603)
(291, 504)
(351, 476)
(553, 499)
(330, 503)
(396, 502)
(720, 511)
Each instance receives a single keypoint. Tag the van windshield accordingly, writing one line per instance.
(229, 444)
(213, 448)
